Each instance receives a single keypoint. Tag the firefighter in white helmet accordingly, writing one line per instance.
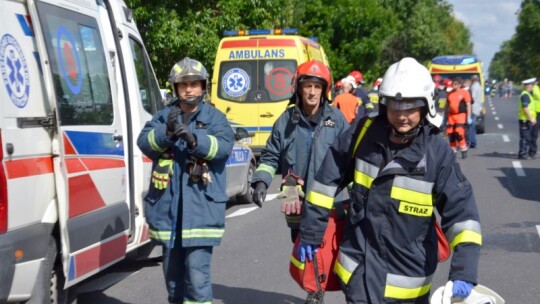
(402, 171)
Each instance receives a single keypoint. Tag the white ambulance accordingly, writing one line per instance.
(76, 88)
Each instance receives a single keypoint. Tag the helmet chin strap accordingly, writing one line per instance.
(192, 101)
(406, 137)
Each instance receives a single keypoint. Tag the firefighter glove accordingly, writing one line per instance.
(161, 176)
(172, 120)
(182, 131)
(259, 193)
(306, 250)
(461, 289)
(291, 199)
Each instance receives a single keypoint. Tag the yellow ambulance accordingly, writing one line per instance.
(253, 74)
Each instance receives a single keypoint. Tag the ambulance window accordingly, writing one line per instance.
(252, 81)
(79, 67)
(148, 89)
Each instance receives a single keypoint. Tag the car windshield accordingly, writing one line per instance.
(253, 81)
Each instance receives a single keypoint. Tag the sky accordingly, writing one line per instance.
(491, 22)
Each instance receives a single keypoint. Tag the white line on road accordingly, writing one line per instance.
(270, 197)
(494, 113)
(538, 229)
(500, 126)
(518, 168)
(242, 211)
(496, 117)
(506, 138)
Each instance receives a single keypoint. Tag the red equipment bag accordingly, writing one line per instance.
(442, 242)
(319, 277)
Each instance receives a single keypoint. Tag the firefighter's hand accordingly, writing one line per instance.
(182, 131)
(306, 250)
(291, 200)
(172, 120)
(461, 289)
(259, 193)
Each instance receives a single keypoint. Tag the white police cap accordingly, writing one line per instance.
(529, 81)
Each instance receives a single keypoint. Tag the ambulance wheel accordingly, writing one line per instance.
(49, 286)
(247, 196)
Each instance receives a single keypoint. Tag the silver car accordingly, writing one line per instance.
(240, 168)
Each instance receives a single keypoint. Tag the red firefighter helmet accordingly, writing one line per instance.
(437, 79)
(448, 84)
(357, 76)
(314, 70)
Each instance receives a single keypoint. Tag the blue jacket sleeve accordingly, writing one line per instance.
(153, 139)
(271, 154)
(218, 143)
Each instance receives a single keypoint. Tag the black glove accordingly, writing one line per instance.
(182, 131)
(172, 120)
(259, 194)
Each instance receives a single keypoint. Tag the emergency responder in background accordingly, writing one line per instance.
(476, 109)
(536, 100)
(361, 92)
(458, 109)
(374, 92)
(527, 121)
(402, 170)
(299, 140)
(347, 102)
(189, 143)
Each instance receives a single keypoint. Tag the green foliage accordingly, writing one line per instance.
(365, 35)
(519, 57)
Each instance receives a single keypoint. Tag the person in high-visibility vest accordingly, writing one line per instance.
(402, 171)
(536, 100)
(527, 121)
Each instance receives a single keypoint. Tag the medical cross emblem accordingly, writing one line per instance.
(14, 71)
(15, 77)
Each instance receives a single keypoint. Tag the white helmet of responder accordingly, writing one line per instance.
(408, 81)
(479, 295)
(189, 69)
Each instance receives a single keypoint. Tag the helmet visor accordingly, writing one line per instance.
(403, 104)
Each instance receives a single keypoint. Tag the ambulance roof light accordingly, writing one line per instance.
(287, 31)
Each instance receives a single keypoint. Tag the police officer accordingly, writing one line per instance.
(527, 121)
(189, 143)
(299, 140)
(402, 171)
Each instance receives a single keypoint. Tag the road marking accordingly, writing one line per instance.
(242, 211)
(500, 126)
(518, 168)
(496, 117)
(270, 197)
(538, 229)
(494, 113)
(506, 138)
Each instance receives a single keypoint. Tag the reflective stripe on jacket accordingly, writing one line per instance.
(202, 207)
(390, 235)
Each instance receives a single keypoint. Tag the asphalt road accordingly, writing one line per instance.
(251, 265)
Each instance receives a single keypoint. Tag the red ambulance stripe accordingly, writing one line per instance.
(102, 163)
(146, 160)
(68, 147)
(74, 165)
(144, 235)
(28, 167)
(277, 42)
(239, 44)
(99, 256)
(83, 195)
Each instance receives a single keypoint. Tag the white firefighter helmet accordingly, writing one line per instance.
(409, 80)
(479, 295)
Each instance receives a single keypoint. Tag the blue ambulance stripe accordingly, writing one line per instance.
(71, 273)
(25, 26)
(88, 143)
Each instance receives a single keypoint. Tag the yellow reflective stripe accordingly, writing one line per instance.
(202, 233)
(403, 287)
(319, 199)
(403, 194)
(198, 67)
(266, 168)
(213, 148)
(159, 235)
(362, 132)
(364, 173)
(458, 228)
(177, 68)
(152, 142)
(297, 263)
(414, 209)
(344, 267)
(467, 236)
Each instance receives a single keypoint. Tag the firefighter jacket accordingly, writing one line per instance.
(297, 146)
(177, 205)
(390, 235)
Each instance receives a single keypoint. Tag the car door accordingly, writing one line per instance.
(90, 161)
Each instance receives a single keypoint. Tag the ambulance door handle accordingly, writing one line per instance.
(267, 115)
(117, 137)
